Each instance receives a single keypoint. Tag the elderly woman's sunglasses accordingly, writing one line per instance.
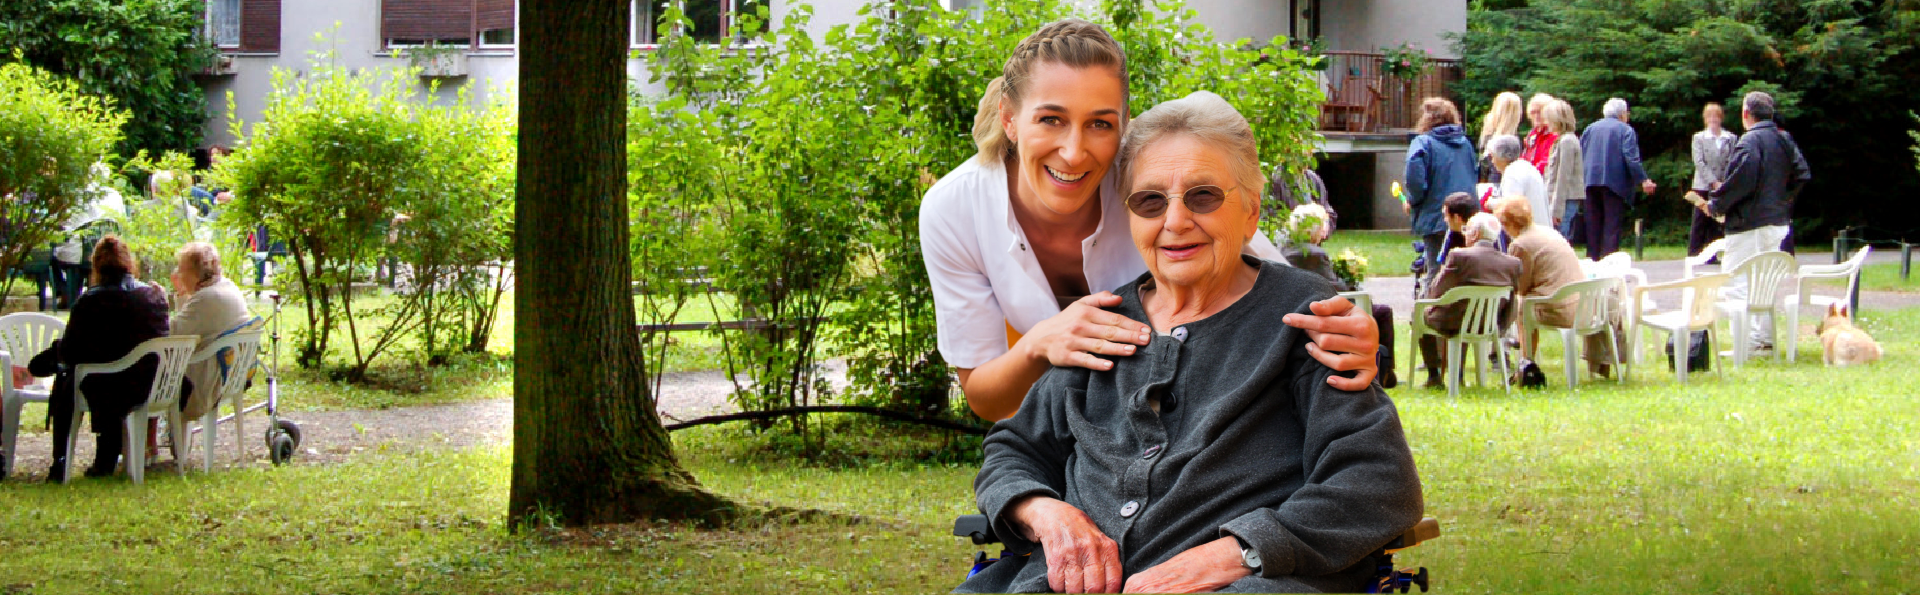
(1202, 199)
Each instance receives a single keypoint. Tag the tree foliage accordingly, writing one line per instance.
(52, 133)
(142, 53)
(352, 168)
(1839, 69)
(791, 172)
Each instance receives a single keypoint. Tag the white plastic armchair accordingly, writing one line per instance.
(1801, 298)
(22, 336)
(1620, 264)
(1697, 300)
(245, 347)
(1764, 273)
(1479, 328)
(1717, 248)
(1362, 301)
(163, 400)
(1593, 308)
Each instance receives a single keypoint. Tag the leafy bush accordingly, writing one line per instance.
(792, 176)
(51, 135)
(354, 168)
(142, 54)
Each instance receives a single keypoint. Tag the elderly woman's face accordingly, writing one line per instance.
(184, 277)
(1181, 247)
(1067, 130)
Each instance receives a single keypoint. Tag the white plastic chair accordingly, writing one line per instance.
(1362, 301)
(245, 347)
(163, 400)
(1620, 264)
(1697, 299)
(1592, 310)
(1479, 328)
(22, 336)
(1717, 248)
(1764, 274)
(1801, 298)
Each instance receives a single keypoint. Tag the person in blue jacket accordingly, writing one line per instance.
(1441, 161)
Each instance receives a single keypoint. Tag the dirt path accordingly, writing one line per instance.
(334, 436)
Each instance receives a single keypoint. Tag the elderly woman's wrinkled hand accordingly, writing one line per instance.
(1203, 569)
(1077, 334)
(1344, 338)
(1080, 559)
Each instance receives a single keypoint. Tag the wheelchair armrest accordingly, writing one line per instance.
(975, 527)
(1427, 529)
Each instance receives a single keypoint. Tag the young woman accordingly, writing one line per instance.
(1022, 243)
(1502, 118)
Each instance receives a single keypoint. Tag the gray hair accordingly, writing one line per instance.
(1208, 118)
(1615, 108)
(204, 259)
(1505, 147)
(1482, 226)
(1758, 105)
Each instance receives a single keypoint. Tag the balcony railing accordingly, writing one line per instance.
(1361, 99)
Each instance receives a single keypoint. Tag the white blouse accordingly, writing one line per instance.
(984, 276)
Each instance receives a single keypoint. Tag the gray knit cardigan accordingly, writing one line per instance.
(1249, 441)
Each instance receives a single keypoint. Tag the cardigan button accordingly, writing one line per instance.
(1181, 334)
(1129, 509)
(1151, 450)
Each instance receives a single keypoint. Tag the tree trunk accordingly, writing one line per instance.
(588, 447)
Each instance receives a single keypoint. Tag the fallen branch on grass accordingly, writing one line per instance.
(779, 413)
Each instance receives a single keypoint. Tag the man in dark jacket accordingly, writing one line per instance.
(1611, 152)
(1756, 196)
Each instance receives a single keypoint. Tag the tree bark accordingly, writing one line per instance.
(588, 447)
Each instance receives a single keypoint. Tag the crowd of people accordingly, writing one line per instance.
(1528, 200)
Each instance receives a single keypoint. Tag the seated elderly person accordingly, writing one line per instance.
(209, 306)
(1478, 264)
(1547, 263)
(1217, 457)
(115, 314)
(1308, 227)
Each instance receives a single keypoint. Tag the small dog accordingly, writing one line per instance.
(1845, 344)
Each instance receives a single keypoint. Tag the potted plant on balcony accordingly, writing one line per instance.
(1406, 62)
(437, 61)
(1314, 50)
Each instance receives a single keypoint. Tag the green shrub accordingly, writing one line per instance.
(141, 53)
(339, 157)
(51, 135)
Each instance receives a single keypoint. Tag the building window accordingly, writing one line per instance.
(223, 23)
(713, 20)
(497, 38)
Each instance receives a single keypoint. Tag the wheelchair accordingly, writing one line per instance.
(1387, 578)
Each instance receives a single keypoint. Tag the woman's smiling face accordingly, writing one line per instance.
(1066, 130)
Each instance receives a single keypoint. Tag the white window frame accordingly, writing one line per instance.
(634, 23)
(407, 44)
(237, 34)
(480, 37)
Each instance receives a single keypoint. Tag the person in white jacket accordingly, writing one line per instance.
(1518, 178)
(209, 305)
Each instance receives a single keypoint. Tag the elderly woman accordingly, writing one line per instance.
(1547, 263)
(210, 306)
(1217, 457)
(116, 313)
(1521, 178)
(1566, 176)
(1479, 264)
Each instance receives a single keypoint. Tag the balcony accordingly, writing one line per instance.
(1361, 101)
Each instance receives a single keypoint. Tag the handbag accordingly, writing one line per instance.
(1697, 360)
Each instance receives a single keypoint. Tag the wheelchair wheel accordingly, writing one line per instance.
(283, 440)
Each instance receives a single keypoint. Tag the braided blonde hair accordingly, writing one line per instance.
(1071, 42)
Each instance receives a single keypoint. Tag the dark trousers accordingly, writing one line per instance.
(1433, 353)
(1383, 318)
(1605, 211)
(1704, 231)
(1435, 242)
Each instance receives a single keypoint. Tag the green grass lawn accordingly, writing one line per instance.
(1776, 478)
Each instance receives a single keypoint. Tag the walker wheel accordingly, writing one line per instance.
(283, 440)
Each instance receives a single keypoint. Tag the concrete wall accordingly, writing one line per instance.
(1258, 20)
(356, 43)
(1368, 25)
